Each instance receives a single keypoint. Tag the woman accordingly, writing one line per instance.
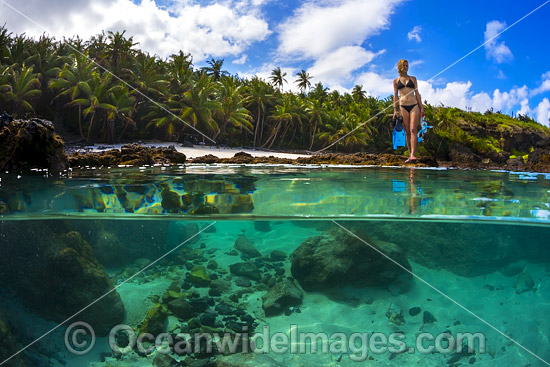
(410, 105)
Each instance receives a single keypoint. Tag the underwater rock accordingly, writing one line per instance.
(413, 311)
(247, 270)
(243, 282)
(153, 322)
(524, 283)
(395, 315)
(336, 258)
(181, 308)
(466, 249)
(277, 255)
(428, 318)
(9, 346)
(164, 360)
(262, 225)
(244, 245)
(283, 295)
(31, 144)
(199, 277)
(57, 274)
(221, 285)
(116, 245)
(171, 201)
(208, 318)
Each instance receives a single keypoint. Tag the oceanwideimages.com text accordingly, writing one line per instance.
(80, 338)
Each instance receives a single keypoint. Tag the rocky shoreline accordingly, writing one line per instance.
(32, 144)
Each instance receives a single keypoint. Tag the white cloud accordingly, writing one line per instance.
(375, 85)
(242, 60)
(215, 30)
(481, 102)
(544, 86)
(507, 100)
(414, 34)
(414, 63)
(318, 27)
(542, 112)
(454, 94)
(336, 67)
(497, 51)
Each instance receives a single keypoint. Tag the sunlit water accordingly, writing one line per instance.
(471, 248)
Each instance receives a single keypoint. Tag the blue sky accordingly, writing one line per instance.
(340, 43)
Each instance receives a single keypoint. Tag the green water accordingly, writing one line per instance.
(375, 253)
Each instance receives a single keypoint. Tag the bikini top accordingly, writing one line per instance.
(410, 84)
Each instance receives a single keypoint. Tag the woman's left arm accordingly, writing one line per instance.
(418, 97)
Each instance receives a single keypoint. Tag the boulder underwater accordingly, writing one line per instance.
(335, 259)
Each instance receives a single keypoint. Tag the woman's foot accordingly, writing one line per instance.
(411, 160)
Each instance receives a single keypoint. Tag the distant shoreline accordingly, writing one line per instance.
(203, 154)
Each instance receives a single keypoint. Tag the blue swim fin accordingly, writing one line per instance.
(398, 136)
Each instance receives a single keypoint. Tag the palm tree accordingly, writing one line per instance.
(200, 104)
(259, 94)
(278, 78)
(317, 114)
(5, 44)
(119, 51)
(319, 92)
(215, 69)
(73, 82)
(232, 109)
(123, 108)
(23, 90)
(280, 116)
(358, 93)
(303, 81)
(97, 99)
(151, 83)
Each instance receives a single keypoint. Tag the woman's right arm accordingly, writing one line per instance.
(395, 99)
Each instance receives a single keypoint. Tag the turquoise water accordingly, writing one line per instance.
(373, 259)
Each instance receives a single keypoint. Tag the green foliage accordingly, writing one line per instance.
(107, 89)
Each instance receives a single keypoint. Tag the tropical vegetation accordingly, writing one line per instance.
(106, 89)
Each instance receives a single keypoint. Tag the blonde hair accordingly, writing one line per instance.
(400, 65)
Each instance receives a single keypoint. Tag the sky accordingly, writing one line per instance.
(340, 43)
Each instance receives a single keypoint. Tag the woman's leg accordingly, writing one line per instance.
(413, 135)
(406, 123)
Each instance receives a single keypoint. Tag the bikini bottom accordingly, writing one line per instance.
(410, 107)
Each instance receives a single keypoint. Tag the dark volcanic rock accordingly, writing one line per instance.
(181, 308)
(282, 296)
(55, 274)
(336, 259)
(539, 158)
(246, 247)
(132, 155)
(247, 270)
(461, 154)
(31, 144)
(9, 346)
